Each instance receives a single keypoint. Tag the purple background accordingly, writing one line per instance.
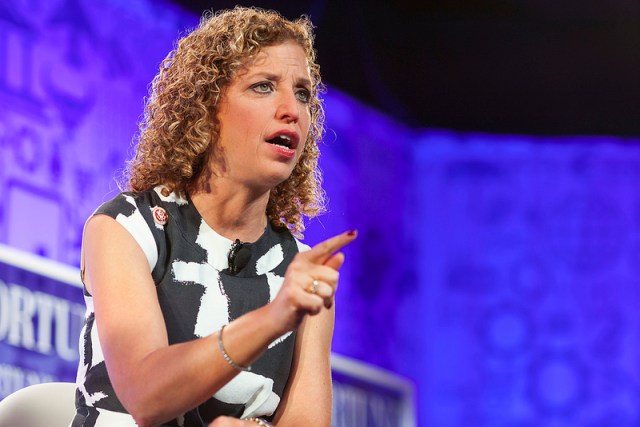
(497, 272)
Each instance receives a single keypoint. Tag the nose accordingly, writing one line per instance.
(288, 108)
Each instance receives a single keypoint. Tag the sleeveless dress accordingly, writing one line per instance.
(198, 294)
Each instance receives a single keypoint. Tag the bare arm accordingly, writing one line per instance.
(307, 399)
(133, 334)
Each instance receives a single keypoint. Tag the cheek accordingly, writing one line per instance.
(305, 122)
(245, 124)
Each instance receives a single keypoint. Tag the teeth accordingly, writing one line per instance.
(283, 140)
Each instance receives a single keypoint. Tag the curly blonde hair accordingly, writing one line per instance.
(179, 132)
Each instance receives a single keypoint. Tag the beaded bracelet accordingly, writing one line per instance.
(259, 421)
(226, 356)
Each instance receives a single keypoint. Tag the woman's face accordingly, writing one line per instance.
(264, 117)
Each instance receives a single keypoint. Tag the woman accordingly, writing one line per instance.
(201, 306)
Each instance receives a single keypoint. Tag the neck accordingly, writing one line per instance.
(234, 212)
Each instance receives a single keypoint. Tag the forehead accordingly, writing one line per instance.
(286, 54)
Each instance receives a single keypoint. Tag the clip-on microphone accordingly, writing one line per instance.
(238, 257)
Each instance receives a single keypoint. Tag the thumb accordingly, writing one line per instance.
(335, 261)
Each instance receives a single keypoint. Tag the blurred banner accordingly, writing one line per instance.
(367, 396)
(41, 314)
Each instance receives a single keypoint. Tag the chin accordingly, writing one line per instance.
(267, 181)
(277, 179)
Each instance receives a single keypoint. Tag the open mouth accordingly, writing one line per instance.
(282, 141)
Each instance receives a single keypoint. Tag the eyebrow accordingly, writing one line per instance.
(275, 77)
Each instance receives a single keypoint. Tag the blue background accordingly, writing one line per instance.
(497, 272)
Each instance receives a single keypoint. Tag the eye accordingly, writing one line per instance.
(303, 95)
(262, 87)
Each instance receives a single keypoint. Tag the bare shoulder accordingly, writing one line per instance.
(118, 277)
(106, 243)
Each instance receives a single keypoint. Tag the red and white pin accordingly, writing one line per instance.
(160, 215)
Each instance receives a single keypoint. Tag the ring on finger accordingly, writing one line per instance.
(259, 421)
(313, 287)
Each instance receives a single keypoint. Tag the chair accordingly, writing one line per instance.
(39, 405)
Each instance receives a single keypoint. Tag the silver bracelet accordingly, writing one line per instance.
(259, 421)
(226, 356)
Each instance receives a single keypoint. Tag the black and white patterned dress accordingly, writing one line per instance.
(198, 295)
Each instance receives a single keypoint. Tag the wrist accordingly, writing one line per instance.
(226, 356)
(273, 322)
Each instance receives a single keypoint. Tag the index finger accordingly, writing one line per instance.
(321, 252)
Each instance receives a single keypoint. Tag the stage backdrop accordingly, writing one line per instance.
(497, 272)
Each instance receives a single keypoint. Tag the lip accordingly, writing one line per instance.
(292, 135)
(284, 152)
